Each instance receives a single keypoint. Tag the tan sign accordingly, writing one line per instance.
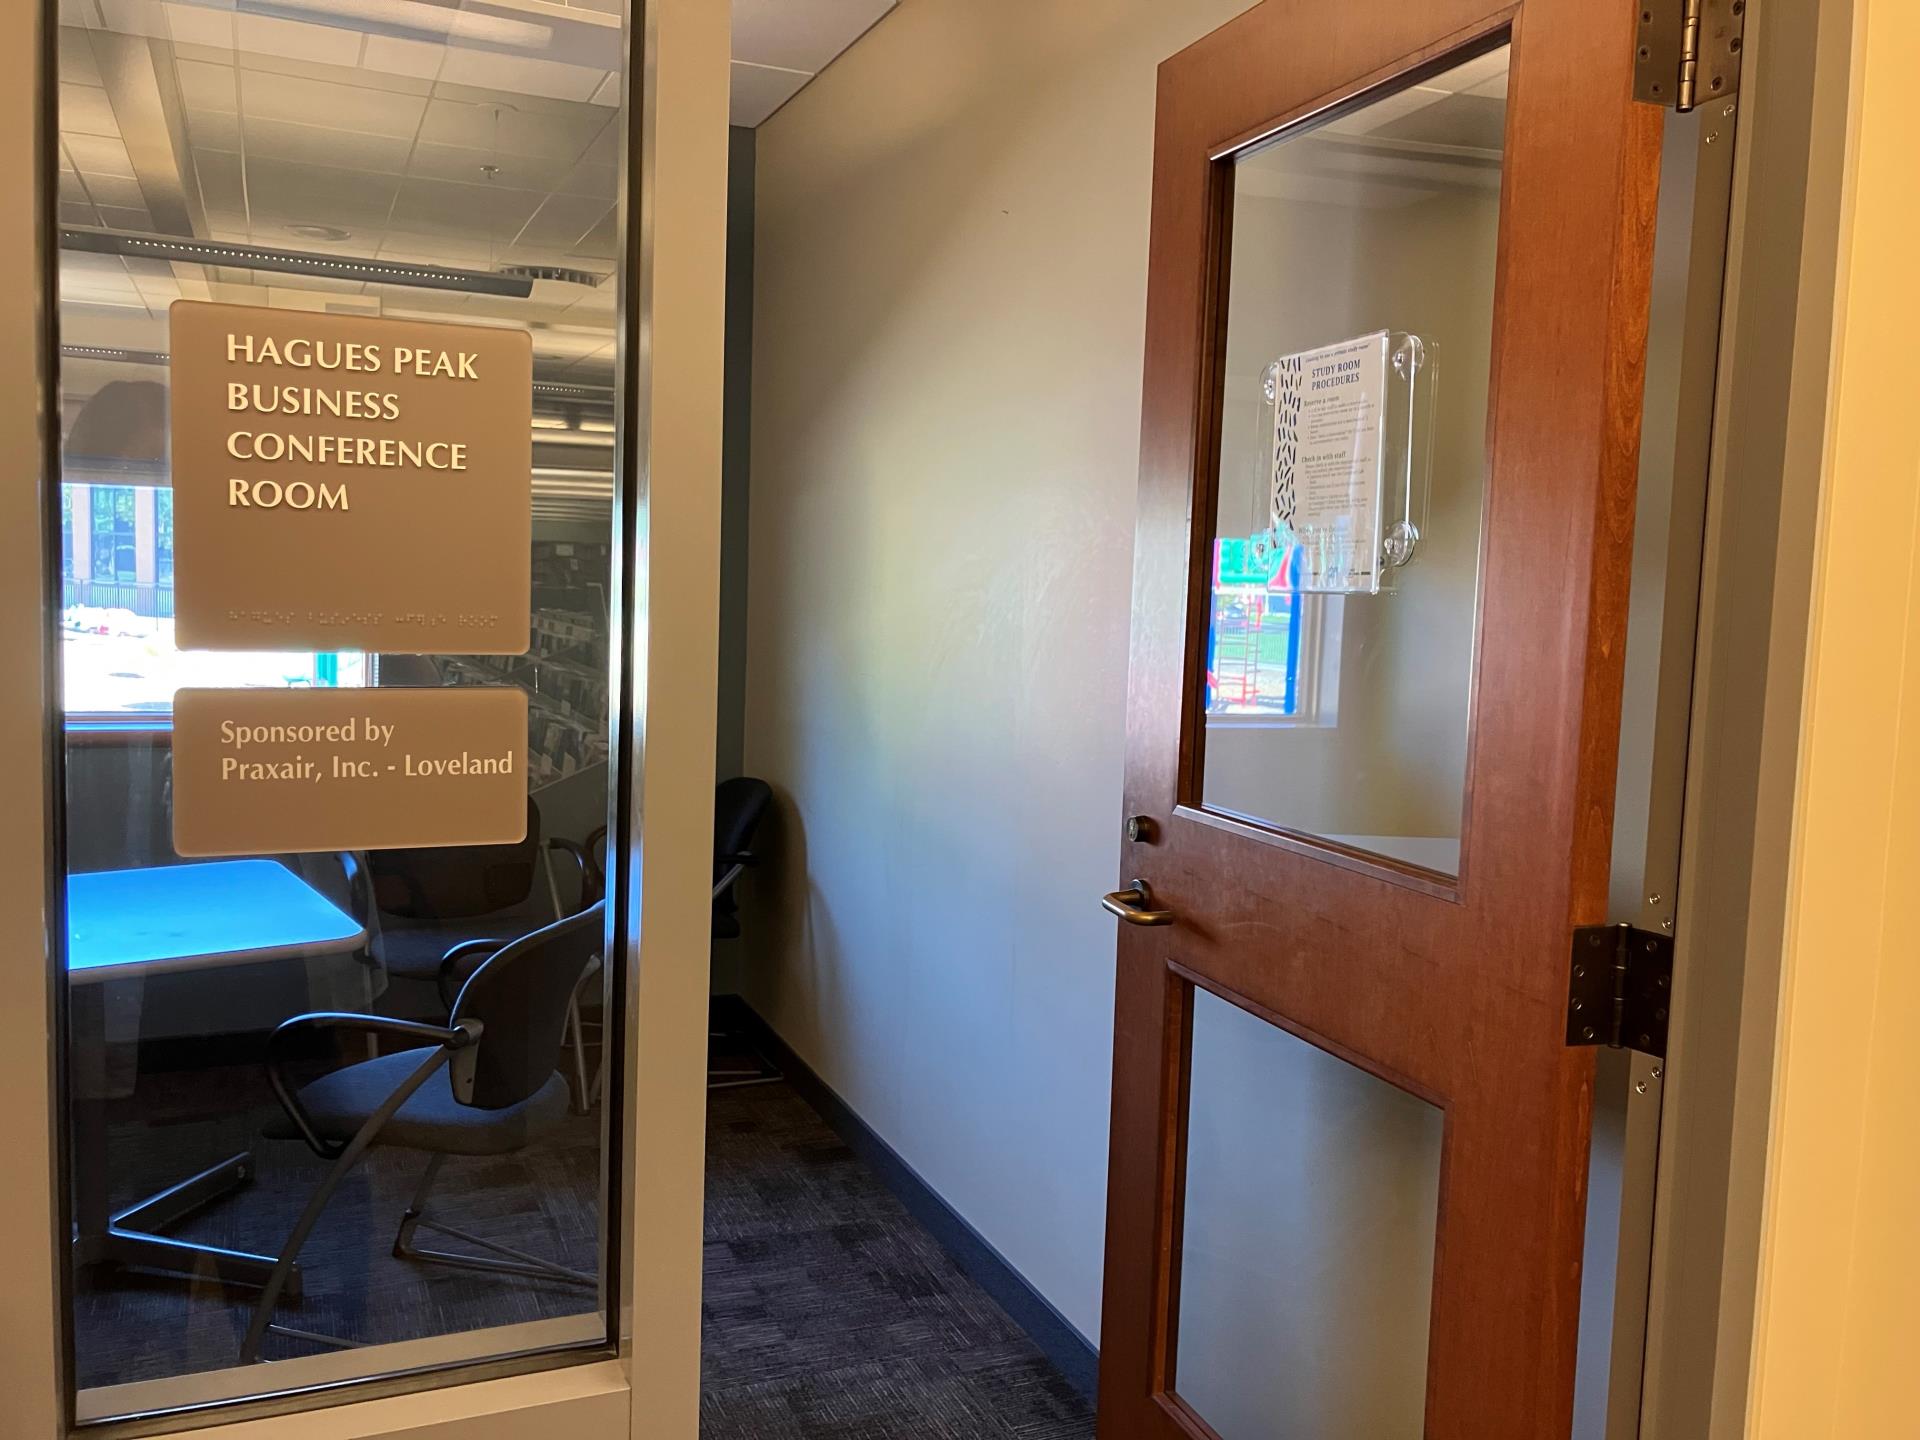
(344, 483)
(262, 772)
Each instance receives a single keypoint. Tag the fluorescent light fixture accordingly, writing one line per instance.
(289, 262)
(550, 422)
(113, 352)
(597, 427)
(409, 19)
(560, 390)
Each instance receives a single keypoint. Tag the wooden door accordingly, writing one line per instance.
(1349, 1143)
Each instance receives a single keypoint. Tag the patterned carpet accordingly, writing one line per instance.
(130, 1326)
(829, 1311)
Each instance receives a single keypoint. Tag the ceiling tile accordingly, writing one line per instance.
(321, 145)
(99, 155)
(800, 34)
(206, 87)
(517, 76)
(284, 192)
(490, 212)
(200, 25)
(511, 128)
(563, 221)
(135, 17)
(393, 56)
(76, 57)
(116, 190)
(322, 44)
(223, 187)
(356, 75)
(588, 179)
(603, 241)
(84, 111)
(119, 217)
(319, 102)
(759, 90)
(214, 130)
(462, 163)
(466, 251)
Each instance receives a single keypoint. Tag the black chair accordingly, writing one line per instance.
(418, 902)
(502, 1090)
(739, 806)
(590, 860)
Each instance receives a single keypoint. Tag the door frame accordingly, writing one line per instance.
(672, 315)
(1771, 414)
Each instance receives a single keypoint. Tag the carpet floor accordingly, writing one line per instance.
(828, 1310)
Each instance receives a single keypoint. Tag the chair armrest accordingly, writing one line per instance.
(576, 852)
(447, 981)
(591, 880)
(735, 863)
(359, 882)
(452, 1038)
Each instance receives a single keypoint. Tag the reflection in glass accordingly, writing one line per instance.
(477, 142)
(1306, 1262)
(1345, 715)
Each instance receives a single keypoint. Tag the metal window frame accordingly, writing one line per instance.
(669, 396)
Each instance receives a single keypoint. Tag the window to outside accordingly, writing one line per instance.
(116, 614)
(1253, 645)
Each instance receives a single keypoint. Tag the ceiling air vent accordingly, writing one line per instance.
(565, 274)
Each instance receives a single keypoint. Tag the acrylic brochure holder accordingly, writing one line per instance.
(1346, 441)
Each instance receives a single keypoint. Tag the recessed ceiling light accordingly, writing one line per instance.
(319, 232)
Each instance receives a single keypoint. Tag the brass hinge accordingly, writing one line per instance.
(1620, 988)
(1688, 51)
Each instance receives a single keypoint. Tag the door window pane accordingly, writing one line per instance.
(1339, 665)
(329, 148)
(1306, 1260)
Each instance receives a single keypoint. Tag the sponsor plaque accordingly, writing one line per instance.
(263, 772)
(349, 483)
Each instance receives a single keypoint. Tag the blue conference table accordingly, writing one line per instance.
(129, 924)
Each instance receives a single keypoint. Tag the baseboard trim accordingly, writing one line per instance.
(1070, 1351)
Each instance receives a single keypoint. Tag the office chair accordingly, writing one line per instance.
(739, 806)
(416, 903)
(501, 1090)
(421, 901)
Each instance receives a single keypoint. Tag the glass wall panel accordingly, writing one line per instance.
(248, 1185)
(1306, 1260)
(1352, 465)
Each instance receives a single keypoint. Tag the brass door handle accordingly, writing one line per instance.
(1131, 906)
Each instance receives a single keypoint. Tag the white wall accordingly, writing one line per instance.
(950, 250)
